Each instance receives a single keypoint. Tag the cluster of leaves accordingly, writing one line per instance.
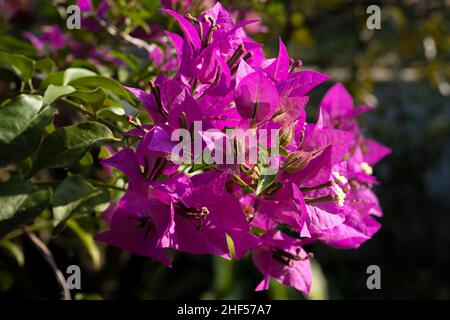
(35, 149)
(59, 117)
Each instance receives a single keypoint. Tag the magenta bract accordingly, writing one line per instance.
(321, 190)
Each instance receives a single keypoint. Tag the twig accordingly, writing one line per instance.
(108, 186)
(113, 31)
(18, 232)
(46, 253)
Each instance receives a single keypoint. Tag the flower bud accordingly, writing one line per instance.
(286, 135)
(296, 161)
(183, 120)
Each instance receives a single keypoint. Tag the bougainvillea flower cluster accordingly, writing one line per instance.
(321, 190)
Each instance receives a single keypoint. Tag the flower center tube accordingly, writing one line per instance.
(144, 222)
(196, 214)
(288, 258)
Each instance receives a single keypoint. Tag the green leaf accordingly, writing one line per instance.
(20, 64)
(113, 113)
(87, 160)
(151, 5)
(15, 250)
(264, 182)
(277, 291)
(70, 195)
(85, 64)
(54, 78)
(6, 279)
(17, 45)
(107, 84)
(224, 273)
(67, 145)
(87, 241)
(53, 93)
(94, 98)
(13, 194)
(129, 109)
(129, 59)
(319, 289)
(283, 151)
(87, 296)
(21, 127)
(257, 231)
(104, 153)
(200, 166)
(45, 65)
(73, 74)
(21, 202)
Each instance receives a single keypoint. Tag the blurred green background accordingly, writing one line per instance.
(403, 69)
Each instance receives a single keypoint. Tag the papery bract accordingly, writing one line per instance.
(319, 189)
(256, 97)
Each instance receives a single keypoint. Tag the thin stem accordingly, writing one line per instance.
(104, 185)
(18, 232)
(112, 30)
(30, 84)
(78, 107)
(242, 183)
(318, 187)
(327, 198)
(109, 124)
(48, 256)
